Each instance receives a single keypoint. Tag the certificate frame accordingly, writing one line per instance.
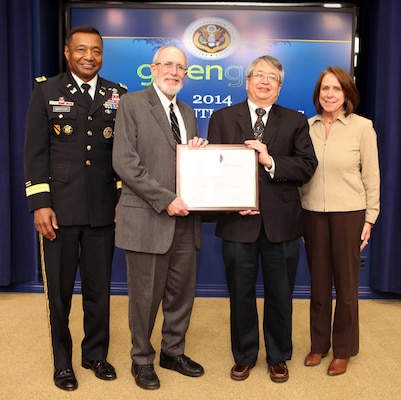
(218, 177)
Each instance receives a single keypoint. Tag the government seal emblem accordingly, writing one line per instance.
(211, 38)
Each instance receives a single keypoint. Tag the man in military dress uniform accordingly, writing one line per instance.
(72, 191)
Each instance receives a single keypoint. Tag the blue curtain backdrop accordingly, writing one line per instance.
(29, 47)
(21, 59)
(17, 261)
(383, 94)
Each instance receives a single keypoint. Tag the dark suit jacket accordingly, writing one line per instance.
(288, 142)
(68, 151)
(144, 156)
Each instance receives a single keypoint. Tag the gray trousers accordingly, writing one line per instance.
(169, 279)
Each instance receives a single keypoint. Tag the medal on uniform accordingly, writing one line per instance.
(60, 102)
(112, 102)
(107, 132)
(67, 129)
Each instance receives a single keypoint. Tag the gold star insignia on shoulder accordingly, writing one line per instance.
(41, 79)
(123, 86)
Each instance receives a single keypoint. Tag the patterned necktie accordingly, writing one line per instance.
(174, 124)
(88, 97)
(259, 127)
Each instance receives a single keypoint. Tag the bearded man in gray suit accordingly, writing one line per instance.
(154, 226)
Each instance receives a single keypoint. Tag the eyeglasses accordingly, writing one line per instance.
(169, 66)
(269, 77)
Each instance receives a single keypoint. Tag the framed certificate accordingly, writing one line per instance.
(218, 177)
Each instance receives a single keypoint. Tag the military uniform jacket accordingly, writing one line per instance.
(68, 151)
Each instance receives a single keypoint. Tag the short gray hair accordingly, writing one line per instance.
(273, 61)
(161, 49)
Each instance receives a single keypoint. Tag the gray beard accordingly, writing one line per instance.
(169, 90)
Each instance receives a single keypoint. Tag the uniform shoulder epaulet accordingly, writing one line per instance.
(123, 86)
(41, 79)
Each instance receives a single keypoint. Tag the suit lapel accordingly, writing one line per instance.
(102, 94)
(160, 116)
(186, 119)
(244, 121)
(72, 91)
(272, 126)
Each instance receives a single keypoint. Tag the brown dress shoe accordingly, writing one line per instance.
(337, 366)
(240, 372)
(313, 359)
(279, 372)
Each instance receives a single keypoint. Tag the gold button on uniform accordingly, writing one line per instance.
(88, 162)
(89, 147)
(89, 133)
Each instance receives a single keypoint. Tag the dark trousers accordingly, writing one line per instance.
(169, 279)
(92, 249)
(279, 263)
(332, 242)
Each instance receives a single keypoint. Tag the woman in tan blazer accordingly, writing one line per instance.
(341, 204)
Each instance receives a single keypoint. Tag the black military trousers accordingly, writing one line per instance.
(92, 250)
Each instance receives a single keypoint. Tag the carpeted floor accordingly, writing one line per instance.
(26, 364)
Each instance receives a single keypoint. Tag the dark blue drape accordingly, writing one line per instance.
(16, 235)
(5, 271)
(383, 92)
(20, 22)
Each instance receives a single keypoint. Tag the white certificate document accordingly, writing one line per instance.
(218, 177)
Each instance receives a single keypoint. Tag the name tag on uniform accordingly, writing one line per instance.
(61, 109)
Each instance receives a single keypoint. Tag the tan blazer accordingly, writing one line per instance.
(347, 177)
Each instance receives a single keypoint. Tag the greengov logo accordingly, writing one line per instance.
(211, 38)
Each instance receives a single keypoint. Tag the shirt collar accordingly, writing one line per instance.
(163, 98)
(253, 107)
(341, 117)
(92, 82)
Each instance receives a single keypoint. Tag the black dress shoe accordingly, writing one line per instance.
(65, 379)
(101, 368)
(182, 364)
(145, 376)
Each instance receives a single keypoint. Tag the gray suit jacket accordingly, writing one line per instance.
(144, 157)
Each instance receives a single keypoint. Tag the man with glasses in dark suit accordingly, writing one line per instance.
(280, 137)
